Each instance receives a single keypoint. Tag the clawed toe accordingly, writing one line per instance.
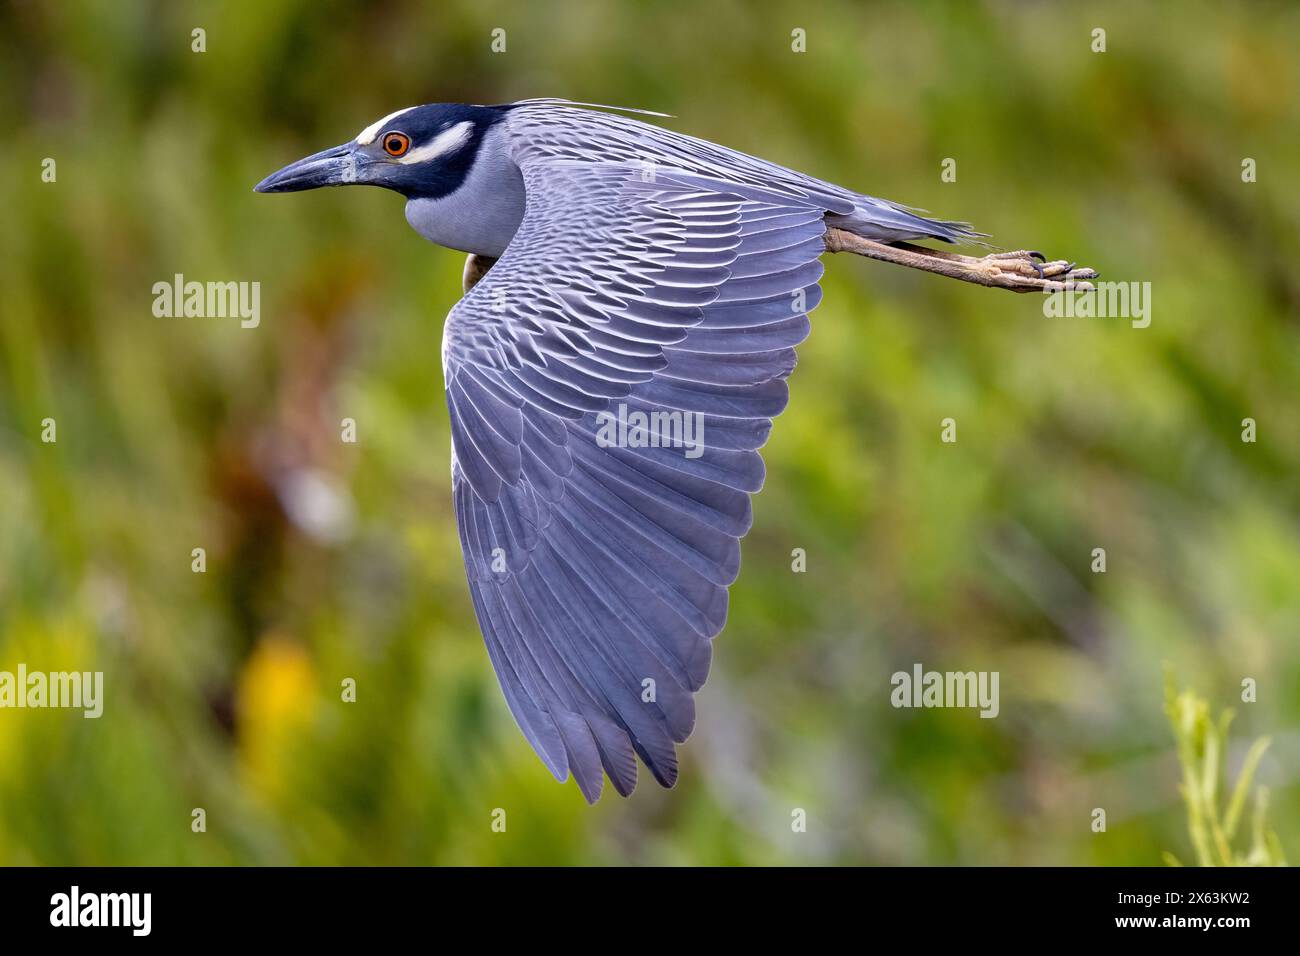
(1050, 269)
(1029, 271)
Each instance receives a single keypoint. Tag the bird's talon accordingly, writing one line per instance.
(1028, 270)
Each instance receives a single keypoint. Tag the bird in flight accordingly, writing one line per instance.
(633, 299)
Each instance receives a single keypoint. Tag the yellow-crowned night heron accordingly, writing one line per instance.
(644, 287)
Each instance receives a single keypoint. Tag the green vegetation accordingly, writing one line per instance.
(328, 561)
(1202, 750)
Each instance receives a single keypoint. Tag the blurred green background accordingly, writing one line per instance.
(328, 560)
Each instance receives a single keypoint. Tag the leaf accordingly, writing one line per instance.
(1242, 790)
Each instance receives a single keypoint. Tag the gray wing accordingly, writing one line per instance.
(550, 130)
(599, 574)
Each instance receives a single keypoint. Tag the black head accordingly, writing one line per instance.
(420, 152)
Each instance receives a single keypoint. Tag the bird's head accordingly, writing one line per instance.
(423, 151)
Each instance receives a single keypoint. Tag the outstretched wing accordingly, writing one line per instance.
(599, 571)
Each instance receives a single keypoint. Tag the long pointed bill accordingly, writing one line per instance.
(336, 166)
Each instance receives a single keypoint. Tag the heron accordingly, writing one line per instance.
(616, 267)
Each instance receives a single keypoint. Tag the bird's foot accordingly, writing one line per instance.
(1020, 271)
(1026, 270)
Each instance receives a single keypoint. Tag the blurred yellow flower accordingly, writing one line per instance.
(276, 702)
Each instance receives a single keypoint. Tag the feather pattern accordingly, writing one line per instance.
(657, 276)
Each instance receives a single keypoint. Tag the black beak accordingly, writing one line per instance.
(330, 167)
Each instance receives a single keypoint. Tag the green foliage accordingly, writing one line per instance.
(1202, 753)
(222, 688)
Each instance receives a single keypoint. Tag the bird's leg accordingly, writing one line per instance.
(476, 267)
(1021, 271)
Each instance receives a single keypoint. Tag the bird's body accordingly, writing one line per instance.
(642, 276)
(482, 213)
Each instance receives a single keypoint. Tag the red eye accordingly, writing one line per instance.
(396, 144)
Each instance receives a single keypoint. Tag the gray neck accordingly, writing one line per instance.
(480, 216)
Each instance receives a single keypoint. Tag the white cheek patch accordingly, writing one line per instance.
(367, 135)
(452, 138)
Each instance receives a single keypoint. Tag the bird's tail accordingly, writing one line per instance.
(885, 221)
